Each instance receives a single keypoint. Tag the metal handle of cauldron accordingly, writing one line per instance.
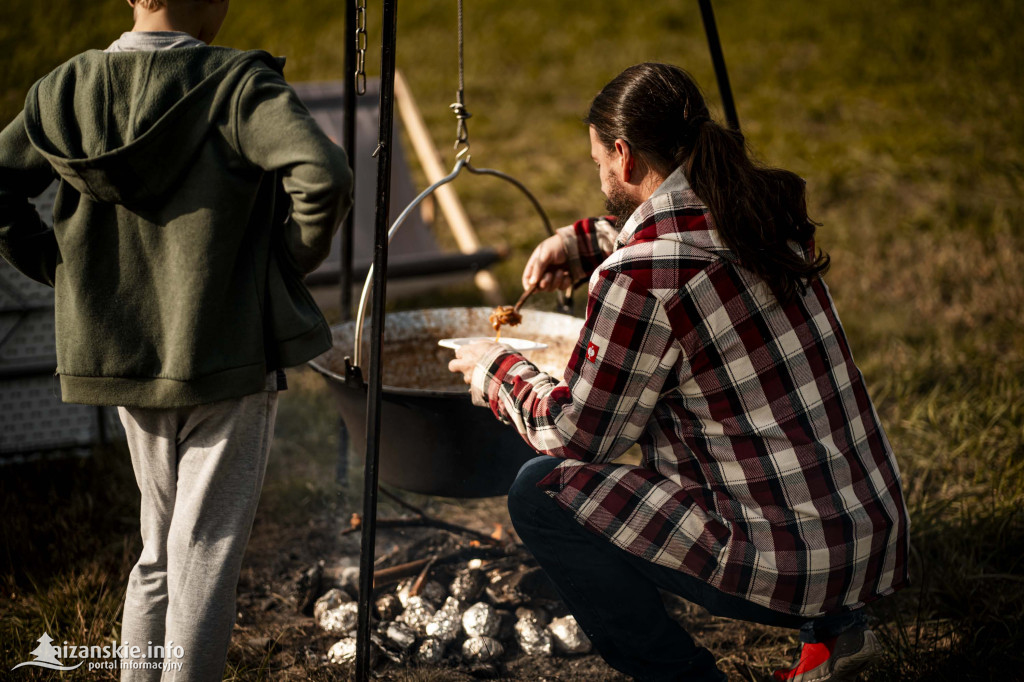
(463, 162)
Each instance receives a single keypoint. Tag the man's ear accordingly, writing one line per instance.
(624, 157)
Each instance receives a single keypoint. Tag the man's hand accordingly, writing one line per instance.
(543, 265)
(467, 356)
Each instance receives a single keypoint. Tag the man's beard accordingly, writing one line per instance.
(619, 203)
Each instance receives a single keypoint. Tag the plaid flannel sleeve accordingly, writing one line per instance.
(588, 242)
(624, 354)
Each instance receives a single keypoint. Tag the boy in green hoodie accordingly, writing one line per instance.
(195, 192)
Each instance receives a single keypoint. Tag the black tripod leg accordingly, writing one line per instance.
(715, 45)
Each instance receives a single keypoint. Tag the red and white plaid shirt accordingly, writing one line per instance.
(765, 470)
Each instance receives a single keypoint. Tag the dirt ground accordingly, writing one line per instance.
(273, 639)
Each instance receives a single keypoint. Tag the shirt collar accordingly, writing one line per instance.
(675, 182)
(148, 41)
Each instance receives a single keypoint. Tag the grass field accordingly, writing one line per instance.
(906, 119)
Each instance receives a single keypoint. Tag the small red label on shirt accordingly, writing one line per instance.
(592, 351)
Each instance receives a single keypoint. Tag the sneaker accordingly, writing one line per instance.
(833, 660)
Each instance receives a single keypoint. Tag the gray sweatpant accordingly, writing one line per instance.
(200, 471)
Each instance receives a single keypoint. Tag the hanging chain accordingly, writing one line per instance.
(459, 107)
(360, 47)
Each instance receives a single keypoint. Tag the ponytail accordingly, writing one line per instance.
(760, 213)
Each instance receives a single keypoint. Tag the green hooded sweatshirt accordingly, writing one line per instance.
(195, 192)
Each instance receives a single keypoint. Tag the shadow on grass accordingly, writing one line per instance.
(963, 616)
(68, 538)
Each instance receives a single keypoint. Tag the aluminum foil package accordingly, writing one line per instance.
(452, 606)
(430, 652)
(468, 585)
(343, 652)
(399, 635)
(481, 649)
(481, 620)
(569, 636)
(447, 622)
(532, 637)
(389, 607)
(340, 620)
(417, 614)
(332, 599)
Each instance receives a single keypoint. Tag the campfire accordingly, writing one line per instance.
(445, 595)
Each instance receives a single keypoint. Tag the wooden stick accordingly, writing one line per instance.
(421, 578)
(398, 500)
(430, 160)
(526, 295)
(395, 573)
(428, 522)
(437, 523)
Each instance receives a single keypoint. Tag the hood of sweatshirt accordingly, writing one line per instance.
(122, 127)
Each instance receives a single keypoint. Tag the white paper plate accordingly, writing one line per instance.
(520, 345)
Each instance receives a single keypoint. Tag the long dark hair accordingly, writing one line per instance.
(658, 109)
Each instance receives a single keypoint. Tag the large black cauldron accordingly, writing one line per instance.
(433, 440)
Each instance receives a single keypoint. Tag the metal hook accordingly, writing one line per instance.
(463, 162)
(461, 131)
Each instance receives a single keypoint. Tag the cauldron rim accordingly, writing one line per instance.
(452, 393)
(396, 390)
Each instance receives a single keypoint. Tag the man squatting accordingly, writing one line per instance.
(768, 491)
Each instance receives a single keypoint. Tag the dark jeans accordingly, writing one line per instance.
(615, 596)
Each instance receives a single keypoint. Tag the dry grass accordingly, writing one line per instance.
(67, 542)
